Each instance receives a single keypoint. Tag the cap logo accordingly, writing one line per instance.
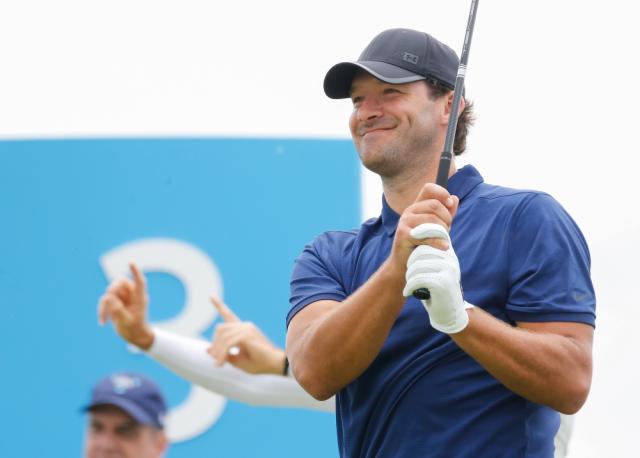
(123, 383)
(411, 58)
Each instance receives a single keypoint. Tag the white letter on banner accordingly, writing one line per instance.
(200, 278)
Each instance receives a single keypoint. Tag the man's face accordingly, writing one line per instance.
(113, 433)
(395, 126)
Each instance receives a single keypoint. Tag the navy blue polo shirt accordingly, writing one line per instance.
(522, 258)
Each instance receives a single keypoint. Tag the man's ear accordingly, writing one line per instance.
(162, 443)
(449, 104)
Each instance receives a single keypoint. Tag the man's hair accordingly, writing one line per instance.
(465, 119)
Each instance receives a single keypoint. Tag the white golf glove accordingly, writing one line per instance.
(439, 272)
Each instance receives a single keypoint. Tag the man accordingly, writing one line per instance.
(473, 374)
(126, 418)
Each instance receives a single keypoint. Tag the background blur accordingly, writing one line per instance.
(219, 105)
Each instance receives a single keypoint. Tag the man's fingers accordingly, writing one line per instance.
(431, 210)
(454, 208)
(211, 351)
(429, 230)
(122, 288)
(112, 307)
(431, 234)
(225, 312)
(103, 315)
(227, 342)
(228, 336)
(118, 312)
(220, 357)
(434, 191)
(440, 244)
(138, 281)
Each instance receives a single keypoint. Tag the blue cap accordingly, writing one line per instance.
(136, 395)
(396, 56)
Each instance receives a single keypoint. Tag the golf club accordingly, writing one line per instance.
(445, 159)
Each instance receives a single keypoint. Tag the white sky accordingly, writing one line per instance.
(552, 81)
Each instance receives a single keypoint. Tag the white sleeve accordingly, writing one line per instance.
(562, 437)
(187, 357)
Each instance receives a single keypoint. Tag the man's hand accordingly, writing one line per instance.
(433, 205)
(438, 271)
(242, 344)
(125, 304)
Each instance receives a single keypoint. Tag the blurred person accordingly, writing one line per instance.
(125, 418)
(255, 374)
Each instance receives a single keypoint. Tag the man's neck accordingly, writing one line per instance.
(401, 191)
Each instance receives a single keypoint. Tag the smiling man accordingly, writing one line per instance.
(125, 419)
(504, 343)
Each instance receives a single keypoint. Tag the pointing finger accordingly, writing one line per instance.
(138, 278)
(225, 312)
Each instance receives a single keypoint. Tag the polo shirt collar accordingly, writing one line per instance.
(460, 184)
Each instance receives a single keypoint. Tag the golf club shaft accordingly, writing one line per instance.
(447, 153)
(445, 159)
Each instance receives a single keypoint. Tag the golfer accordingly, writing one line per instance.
(504, 343)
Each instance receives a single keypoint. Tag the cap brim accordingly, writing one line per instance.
(135, 411)
(337, 82)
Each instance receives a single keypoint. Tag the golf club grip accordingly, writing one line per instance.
(443, 169)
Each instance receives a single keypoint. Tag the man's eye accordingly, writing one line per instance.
(356, 100)
(127, 431)
(391, 90)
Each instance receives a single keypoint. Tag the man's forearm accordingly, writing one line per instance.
(188, 358)
(330, 350)
(548, 363)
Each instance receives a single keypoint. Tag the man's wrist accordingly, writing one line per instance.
(277, 361)
(144, 339)
(461, 322)
(392, 275)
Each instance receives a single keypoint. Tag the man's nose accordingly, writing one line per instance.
(106, 441)
(369, 108)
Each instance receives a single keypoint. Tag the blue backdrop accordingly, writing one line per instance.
(65, 203)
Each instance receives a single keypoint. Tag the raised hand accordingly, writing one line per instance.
(125, 303)
(438, 271)
(433, 205)
(242, 344)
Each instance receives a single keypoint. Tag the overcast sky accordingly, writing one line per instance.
(554, 86)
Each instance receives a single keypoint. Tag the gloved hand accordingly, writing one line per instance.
(439, 272)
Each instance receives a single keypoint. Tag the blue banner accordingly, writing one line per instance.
(200, 216)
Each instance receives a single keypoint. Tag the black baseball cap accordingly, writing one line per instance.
(397, 56)
(137, 395)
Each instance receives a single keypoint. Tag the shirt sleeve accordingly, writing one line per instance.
(549, 265)
(316, 276)
(187, 358)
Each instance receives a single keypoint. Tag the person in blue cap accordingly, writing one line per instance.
(482, 366)
(125, 418)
